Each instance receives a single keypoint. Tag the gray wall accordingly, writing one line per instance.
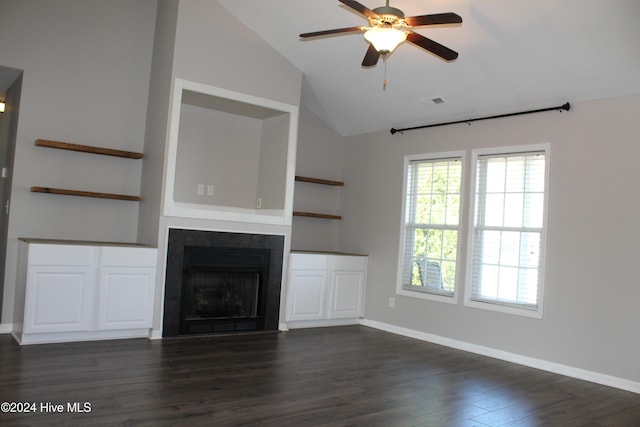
(86, 76)
(8, 129)
(320, 155)
(591, 288)
(242, 157)
(92, 89)
(100, 73)
(273, 161)
(156, 122)
(212, 47)
(220, 149)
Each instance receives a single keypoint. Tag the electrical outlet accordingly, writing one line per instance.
(209, 190)
(200, 190)
(392, 302)
(259, 203)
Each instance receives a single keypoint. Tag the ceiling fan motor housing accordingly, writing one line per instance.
(389, 27)
(388, 10)
(387, 17)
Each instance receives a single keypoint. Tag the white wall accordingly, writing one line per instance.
(86, 76)
(591, 313)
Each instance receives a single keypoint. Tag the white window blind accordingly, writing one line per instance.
(508, 229)
(431, 225)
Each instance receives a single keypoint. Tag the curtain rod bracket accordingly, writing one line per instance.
(565, 107)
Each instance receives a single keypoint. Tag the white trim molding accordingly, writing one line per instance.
(173, 208)
(156, 334)
(303, 324)
(556, 368)
(495, 304)
(427, 157)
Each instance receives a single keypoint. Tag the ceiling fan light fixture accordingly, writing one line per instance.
(385, 40)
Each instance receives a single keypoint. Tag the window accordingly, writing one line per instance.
(431, 226)
(507, 235)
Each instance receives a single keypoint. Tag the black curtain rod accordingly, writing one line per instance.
(565, 107)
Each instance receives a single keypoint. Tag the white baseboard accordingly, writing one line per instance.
(155, 334)
(58, 337)
(544, 365)
(6, 328)
(302, 324)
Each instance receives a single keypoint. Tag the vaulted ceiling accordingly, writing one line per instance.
(514, 55)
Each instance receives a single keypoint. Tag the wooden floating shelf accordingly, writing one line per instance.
(319, 181)
(84, 193)
(88, 149)
(316, 215)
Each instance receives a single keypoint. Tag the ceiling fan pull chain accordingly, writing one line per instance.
(384, 83)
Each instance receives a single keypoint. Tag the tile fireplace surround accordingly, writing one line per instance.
(235, 242)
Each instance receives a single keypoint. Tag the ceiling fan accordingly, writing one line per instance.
(388, 27)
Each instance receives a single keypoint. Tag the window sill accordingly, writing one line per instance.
(535, 314)
(427, 296)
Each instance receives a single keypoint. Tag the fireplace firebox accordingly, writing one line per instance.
(223, 289)
(219, 282)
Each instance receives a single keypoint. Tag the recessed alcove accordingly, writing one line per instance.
(231, 156)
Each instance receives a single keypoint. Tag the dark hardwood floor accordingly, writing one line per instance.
(346, 376)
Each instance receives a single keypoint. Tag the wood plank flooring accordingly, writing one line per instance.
(346, 376)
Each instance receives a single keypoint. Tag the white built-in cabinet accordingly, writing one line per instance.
(325, 289)
(74, 291)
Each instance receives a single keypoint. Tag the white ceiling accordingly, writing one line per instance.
(515, 55)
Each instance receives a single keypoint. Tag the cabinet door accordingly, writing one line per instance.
(347, 289)
(347, 282)
(125, 299)
(59, 299)
(308, 294)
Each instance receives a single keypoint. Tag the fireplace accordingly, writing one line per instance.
(223, 289)
(219, 282)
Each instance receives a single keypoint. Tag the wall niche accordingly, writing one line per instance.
(231, 156)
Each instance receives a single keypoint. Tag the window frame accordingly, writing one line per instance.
(415, 293)
(498, 306)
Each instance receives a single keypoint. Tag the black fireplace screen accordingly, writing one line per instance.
(223, 289)
(215, 294)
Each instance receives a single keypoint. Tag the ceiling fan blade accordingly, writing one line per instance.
(371, 57)
(329, 32)
(360, 8)
(433, 47)
(434, 19)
